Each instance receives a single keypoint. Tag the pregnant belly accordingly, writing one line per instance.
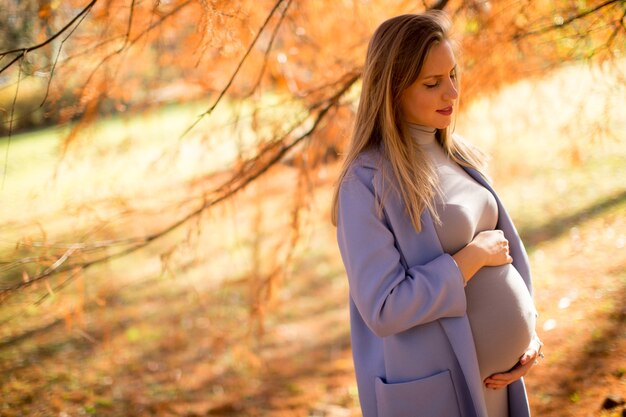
(502, 316)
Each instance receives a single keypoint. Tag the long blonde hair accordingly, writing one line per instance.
(395, 56)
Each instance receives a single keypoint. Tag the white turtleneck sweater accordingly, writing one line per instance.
(465, 207)
(500, 310)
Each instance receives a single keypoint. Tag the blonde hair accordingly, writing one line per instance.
(395, 56)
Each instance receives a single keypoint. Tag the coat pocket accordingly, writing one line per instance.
(433, 396)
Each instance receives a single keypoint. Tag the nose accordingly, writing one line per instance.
(451, 92)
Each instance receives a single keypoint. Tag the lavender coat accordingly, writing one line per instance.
(411, 340)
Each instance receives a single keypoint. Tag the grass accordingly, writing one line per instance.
(122, 156)
(209, 321)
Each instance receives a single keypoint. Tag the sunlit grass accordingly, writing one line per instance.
(127, 156)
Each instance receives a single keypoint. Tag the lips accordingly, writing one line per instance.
(447, 111)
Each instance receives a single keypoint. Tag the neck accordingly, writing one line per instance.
(422, 134)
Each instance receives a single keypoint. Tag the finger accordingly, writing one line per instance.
(496, 387)
(522, 370)
(505, 376)
(528, 356)
(497, 384)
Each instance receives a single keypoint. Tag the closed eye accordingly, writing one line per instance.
(453, 76)
(438, 78)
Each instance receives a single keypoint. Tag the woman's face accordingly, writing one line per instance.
(429, 101)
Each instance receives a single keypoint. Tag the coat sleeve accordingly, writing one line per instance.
(391, 298)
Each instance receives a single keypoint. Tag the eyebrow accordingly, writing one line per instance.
(438, 75)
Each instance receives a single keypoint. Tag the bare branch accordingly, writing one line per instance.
(21, 52)
(567, 21)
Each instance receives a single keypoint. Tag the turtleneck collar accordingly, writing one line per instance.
(422, 134)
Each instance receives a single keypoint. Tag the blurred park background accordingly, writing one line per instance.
(166, 170)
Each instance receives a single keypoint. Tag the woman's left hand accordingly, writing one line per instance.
(521, 368)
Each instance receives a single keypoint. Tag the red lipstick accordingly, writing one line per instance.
(445, 111)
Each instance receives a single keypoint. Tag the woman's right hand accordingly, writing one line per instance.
(494, 246)
(488, 248)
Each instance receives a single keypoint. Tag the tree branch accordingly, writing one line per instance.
(56, 59)
(251, 170)
(127, 44)
(130, 21)
(268, 49)
(567, 21)
(616, 30)
(234, 74)
(21, 52)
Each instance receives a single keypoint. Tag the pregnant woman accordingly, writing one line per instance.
(442, 317)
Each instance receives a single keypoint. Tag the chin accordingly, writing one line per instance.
(442, 124)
